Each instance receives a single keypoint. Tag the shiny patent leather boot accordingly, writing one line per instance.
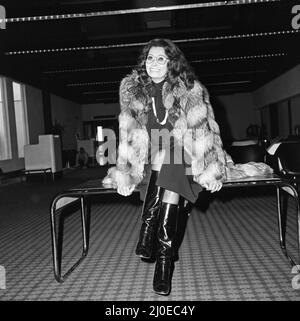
(184, 208)
(166, 233)
(150, 213)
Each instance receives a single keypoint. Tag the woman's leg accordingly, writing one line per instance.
(170, 197)
(166, 236)
(150, 211)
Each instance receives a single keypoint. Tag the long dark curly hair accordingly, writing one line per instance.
(178, 66)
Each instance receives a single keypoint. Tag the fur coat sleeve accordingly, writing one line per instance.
(133, 136)
(194, 124)
(199, 133)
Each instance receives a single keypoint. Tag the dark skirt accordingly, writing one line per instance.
(173, 175)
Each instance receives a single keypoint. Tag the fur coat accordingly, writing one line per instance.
(194, 127)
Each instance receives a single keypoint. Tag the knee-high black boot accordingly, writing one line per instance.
(184, 208)
(149, 218)
(166, 233)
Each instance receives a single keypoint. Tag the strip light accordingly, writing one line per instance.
(208, 84)
(93, 83)
(241, 57)
(192, 61)
(99, 92)
(228, 83)
(138, 10)
(238, 36)
(87, 69)
(109, 98)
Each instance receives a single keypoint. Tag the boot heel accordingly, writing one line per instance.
(162, 276)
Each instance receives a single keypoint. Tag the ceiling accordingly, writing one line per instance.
(233, 48)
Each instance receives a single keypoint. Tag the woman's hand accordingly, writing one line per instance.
(125, 190)
(213, 186)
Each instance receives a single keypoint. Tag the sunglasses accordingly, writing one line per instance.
(161, 60)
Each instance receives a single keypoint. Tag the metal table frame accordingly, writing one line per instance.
(81, 192)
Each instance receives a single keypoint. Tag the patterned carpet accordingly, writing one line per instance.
(230, 250)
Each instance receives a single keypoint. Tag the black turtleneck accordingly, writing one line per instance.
(157, 93)
(155, 90)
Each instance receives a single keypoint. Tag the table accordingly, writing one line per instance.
(95, 187)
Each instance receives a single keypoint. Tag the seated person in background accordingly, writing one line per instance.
(82, 158)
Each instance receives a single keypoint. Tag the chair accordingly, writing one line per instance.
(43, 157)
(242, 154)
(288, 154)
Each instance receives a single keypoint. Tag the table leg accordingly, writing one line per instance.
(282, 222)
(84, 226)
(56, 255)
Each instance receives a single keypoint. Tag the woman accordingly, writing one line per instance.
(163, 95)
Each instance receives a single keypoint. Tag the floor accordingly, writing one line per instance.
(230, 250)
